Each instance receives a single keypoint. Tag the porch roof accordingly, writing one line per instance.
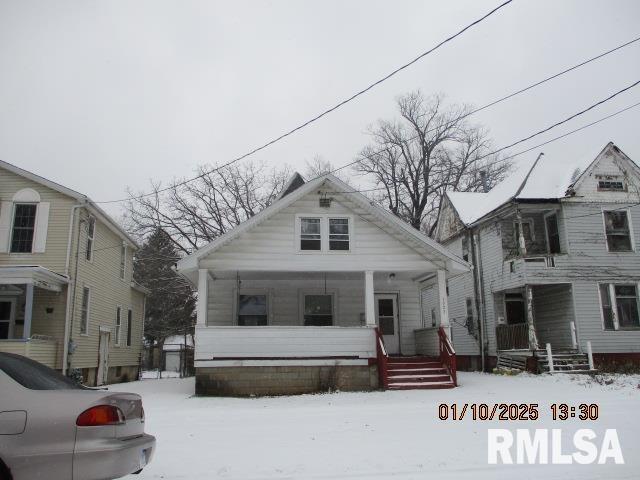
(32, 274)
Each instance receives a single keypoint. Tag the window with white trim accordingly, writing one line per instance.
(616, 225)
(253, 310)
(24, 225)
(338, 234)
(84, 311)
(553, 233)
(318, 310)
(310, 233)
(91, 230)
(118, 325)
(620, 306)
(129, 326)
(123, 260)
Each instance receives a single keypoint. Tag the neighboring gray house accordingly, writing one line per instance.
(555, 261)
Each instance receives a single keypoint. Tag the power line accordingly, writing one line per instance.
(540, 132)
(327, 111)
(508, 96)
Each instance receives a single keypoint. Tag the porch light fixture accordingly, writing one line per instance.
(391, 277)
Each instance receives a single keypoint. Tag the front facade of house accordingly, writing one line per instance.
(290, 301)
(560, 270)
(67, 297)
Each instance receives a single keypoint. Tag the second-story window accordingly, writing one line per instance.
(553, 234)
(91, 230)
(338, 234)
(123, 261)
(310, 234)
(616, 224)
(24, 224)
(118, 325)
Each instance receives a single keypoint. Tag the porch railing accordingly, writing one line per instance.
(513, 337)
(383, 359)
(447, 355)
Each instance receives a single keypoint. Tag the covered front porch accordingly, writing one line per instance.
(32, 312)
(309, 330)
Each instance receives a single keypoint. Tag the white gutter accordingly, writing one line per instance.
(67, 316)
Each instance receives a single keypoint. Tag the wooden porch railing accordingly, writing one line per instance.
(447, 355)
(512, 337)
(383, 360)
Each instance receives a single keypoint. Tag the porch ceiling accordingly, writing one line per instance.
(299, 275)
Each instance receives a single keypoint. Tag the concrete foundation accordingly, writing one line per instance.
(286, 380)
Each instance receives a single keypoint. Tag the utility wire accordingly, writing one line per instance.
(327, 111)
(540, 132)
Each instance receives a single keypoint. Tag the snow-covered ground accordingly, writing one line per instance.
(393, 434)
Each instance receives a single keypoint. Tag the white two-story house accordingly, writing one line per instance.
(556, 264)
(67, 296)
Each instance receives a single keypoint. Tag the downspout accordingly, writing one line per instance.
(67, 323)
(478, 278)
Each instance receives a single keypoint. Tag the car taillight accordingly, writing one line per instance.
(100, 415)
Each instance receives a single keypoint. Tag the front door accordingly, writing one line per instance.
(103, 358)
(7, 318)
(387, 319)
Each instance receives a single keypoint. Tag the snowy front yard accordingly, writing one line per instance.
(375, 435)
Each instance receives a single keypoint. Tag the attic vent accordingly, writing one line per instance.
(325, 202)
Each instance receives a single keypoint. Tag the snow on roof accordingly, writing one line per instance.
(549, 179)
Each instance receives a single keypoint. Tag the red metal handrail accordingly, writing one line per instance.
(447, 354)
(383, 359)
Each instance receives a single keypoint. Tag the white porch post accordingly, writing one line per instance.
(533, 338)
(28, 311)
(443, 302)
(369, 299)
(203, 297)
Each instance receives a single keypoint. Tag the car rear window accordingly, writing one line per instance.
(34, 375)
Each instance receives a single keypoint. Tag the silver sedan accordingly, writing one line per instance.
(51, 428)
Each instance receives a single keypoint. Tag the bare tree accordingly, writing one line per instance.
(430, 149)
(197, 212)
(319, 166)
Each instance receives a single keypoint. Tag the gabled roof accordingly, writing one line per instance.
(295, 182)
(81, 198)
(383, 216)
(540, 179)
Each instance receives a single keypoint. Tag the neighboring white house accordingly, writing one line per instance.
(555, 254)
(289, 301)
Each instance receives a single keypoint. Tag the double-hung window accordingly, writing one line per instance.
(24, 224)
(84, 311)
(252, 310)
(129, 326)
(620, 308)
(91, 230)
(310, 233)
(118, 325)
(318, 310)
(324, 233)
(616, 225)
(338, 234)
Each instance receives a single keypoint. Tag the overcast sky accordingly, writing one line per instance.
(101, 95)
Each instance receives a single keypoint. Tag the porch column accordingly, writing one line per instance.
(369, 299)
(533, 338)
(28, 311)
(203, 297)
(443, 302)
